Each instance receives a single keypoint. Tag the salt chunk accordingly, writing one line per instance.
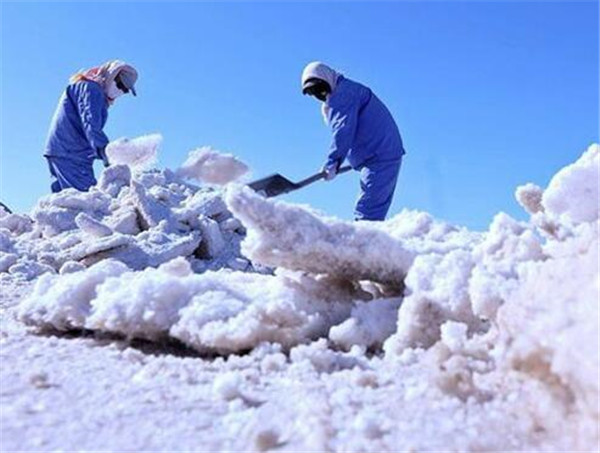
(56, 213)
(133, 356)
(151, 212)
(170, 246)
(368, 425)
(228, 386)
(91, 226)
(212, 239)
(273, 362)
(178, 266)
(530, 197)
(231, 224)
(369, 325)
(296, 238)
(40, 380)
(267, 438)
(16, 223)
(208, 203)
(29, 270)
(100, 245)
(70, 267)
(6, 243)
(63, 301)
(7, 260)
(212, 167)
(454, 335)
(138, 153)
(486, 291)
(114, 178)
(366, 379)
(572, 194)
(238, 264)
(125, 221)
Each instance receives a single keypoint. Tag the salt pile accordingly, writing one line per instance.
(141, 219)
(482, 341)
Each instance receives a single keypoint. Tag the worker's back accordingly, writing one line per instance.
(377, 137)
(76, 129)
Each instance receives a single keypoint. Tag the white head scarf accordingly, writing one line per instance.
(106, 73)
(318, 70)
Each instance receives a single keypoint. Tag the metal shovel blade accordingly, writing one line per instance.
(275, 184)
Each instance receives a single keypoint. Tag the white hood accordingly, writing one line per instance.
(318, 70)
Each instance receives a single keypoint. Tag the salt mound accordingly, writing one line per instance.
(548, 332)
(212, 167)
(138, 153)
(538, 288)
(142, 220)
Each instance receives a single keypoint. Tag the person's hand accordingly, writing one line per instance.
(330, 170)
(102, 155)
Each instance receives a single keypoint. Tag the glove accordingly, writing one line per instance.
(102, 155)
(330, 169)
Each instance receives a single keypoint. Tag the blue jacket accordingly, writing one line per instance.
(363, 128)
(76, 129)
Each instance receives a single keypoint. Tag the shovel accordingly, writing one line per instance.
(274, 185)
(3, 206)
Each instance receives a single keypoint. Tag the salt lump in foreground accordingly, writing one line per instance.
(219, 311)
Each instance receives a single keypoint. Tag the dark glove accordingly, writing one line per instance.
(102, 155)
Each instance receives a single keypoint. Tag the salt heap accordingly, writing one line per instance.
(224, 311)
(141, 218)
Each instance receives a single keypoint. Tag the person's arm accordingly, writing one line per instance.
(342, 118)
(91, 101)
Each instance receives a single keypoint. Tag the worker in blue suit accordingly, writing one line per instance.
(364, 132)
(76, 137)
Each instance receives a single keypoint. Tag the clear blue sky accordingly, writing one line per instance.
(487, 95)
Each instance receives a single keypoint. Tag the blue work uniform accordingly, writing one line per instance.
(76, 135)
(365, 133)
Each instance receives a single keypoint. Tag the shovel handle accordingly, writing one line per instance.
(320, 175)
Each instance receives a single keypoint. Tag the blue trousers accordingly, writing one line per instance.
(67, 173)
(377, 185)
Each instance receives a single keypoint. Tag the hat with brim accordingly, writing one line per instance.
(129, 76)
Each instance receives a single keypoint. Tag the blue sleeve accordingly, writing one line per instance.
(91, 102)
(343, 119)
